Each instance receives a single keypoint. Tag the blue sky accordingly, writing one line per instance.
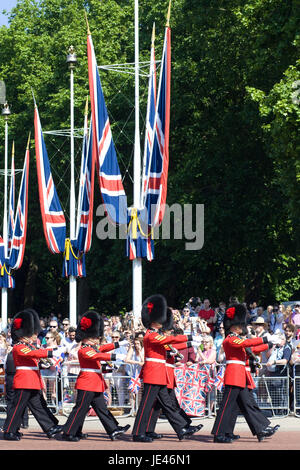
(6, 5)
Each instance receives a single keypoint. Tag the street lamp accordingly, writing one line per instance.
(5, 113)
(72, 61)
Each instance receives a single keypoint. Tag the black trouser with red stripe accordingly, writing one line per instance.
(84, 400)
(9, 398)
(155, 412)
(259, 416)
(151, 393)
(235, 398)
(37, 405)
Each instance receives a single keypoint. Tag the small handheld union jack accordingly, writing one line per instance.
(219, 380)
(135, 383)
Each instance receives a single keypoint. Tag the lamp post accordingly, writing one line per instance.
(5, 113)
(137, 263)
(72, 61)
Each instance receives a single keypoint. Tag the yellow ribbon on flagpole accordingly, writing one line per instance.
(135, 223)
(68, 248)
(3, 267)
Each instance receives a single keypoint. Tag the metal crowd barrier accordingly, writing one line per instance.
(296, 389)
(118, 398)
(272, 394)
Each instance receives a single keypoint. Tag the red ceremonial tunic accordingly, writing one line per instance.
(235, 372)
(26, 358)
(154, 370)
(90, 377)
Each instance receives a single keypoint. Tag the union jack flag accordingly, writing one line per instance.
(156, 155)
(6, 279)
(75, 265)
(18, 240)
(192, 385)
(219, 380)
(155, 192)
(108, 171)
(150, 119)
(57, 362)
(139, 246)
(86, 194)
(142, 245)
(54, 223)
(11, 207)
(135, 383)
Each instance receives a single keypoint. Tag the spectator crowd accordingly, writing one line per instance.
(196, 317)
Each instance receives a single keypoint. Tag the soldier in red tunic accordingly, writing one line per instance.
(154, 371)
(27, 382)
(172, 355)
(236, 378)
(251, 366)
(90, 383)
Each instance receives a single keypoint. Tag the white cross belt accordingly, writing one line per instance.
(98, 371)
(26, 368)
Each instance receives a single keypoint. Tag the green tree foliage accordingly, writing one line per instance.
(234, 145)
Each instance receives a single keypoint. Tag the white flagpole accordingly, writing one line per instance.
(6, 113)
(137, 263)
(71, 60)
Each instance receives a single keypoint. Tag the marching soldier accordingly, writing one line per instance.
(236, 378)
(251, 366)
(90, 383)
(172, 354)
(154, 373)
(27, 381)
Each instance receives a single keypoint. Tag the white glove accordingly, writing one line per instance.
(275, 339)
(124, 342)
(197, 339)
(120, 356)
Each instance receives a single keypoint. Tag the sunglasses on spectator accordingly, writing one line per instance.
(53, 326)
(116, 337)
(48, 337)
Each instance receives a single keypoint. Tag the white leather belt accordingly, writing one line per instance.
(98, 371)
(26, 368)
(150, 359)
(170, 365)
(236, 362)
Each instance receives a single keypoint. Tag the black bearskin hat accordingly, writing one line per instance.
(168, 324)
(154, 309)
(36, 320)
(22, 325)
(90, 326)
(234, 315)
